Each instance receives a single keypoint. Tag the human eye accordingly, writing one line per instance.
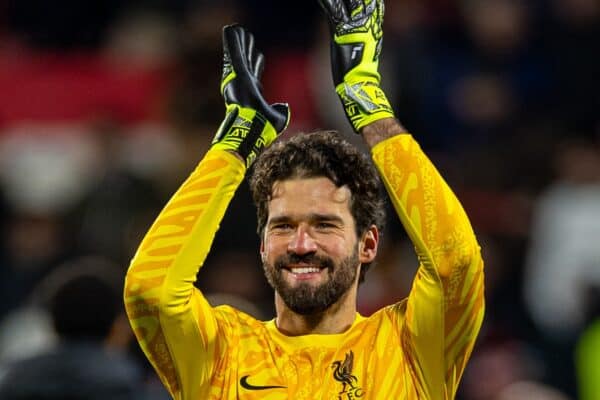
(281, 227)
(325, 225)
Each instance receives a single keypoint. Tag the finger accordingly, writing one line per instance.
(335, 10)
(254, 57)
(351, 5)
(327, 6)
(364, 8)
(281, 116)
(249, 43)
(225, 40)
(243, 49)
(258, 65)
(381, 9)
(233, 41)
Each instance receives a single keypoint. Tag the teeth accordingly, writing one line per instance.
(305, 270)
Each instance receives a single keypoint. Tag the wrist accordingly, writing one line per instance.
(244, 132)
(380, 130)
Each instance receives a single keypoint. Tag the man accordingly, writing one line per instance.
(319, 218)
(83, 302)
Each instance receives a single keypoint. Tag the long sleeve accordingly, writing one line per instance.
(173, 322)
(445, 307)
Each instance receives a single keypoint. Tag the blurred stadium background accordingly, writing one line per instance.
(106, 105)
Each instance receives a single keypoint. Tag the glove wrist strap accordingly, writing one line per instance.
(245, 132)
(364, 103)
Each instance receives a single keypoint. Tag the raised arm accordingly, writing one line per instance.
(174, 324)
(445, 307)
(440, 321)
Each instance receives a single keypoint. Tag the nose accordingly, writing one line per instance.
(302, 242)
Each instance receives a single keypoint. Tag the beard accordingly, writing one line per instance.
(308, 299)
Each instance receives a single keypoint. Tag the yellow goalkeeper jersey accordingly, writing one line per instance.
(414, 349)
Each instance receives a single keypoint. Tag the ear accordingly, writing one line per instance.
(368, 245)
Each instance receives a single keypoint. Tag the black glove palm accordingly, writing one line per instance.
(250, 123)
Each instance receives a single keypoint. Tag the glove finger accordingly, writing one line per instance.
(281, 116)
(327, 6)
(228, 37)
(258, 65)
(249, 45)
(233, 41)
(364, 8)
(225, 35)
(243, 40)
(335, 9)
(350, 6)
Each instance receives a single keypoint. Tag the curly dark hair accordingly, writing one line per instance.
(321, 154)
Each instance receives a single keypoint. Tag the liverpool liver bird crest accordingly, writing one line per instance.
(343, 372)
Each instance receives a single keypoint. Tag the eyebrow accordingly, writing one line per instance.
(311, 217)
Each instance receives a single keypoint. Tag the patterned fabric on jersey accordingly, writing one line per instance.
(414, 349)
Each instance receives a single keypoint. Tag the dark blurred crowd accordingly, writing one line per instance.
(107, 105)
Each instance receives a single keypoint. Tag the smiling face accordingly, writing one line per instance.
(310, 251)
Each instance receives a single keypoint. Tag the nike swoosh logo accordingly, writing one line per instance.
(246, 385)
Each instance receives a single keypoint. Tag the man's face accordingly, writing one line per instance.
(310, 250)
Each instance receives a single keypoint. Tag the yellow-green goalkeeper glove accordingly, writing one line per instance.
(250, 122)
(356, 28)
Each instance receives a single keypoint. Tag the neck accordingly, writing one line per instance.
(336, 319)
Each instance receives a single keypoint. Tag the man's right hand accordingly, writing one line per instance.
(250, 123)
(357, 33)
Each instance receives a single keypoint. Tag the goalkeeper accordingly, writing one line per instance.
(320, 214)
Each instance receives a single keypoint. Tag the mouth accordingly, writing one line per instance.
(304, 272)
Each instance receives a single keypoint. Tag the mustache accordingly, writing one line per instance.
(309, 258)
